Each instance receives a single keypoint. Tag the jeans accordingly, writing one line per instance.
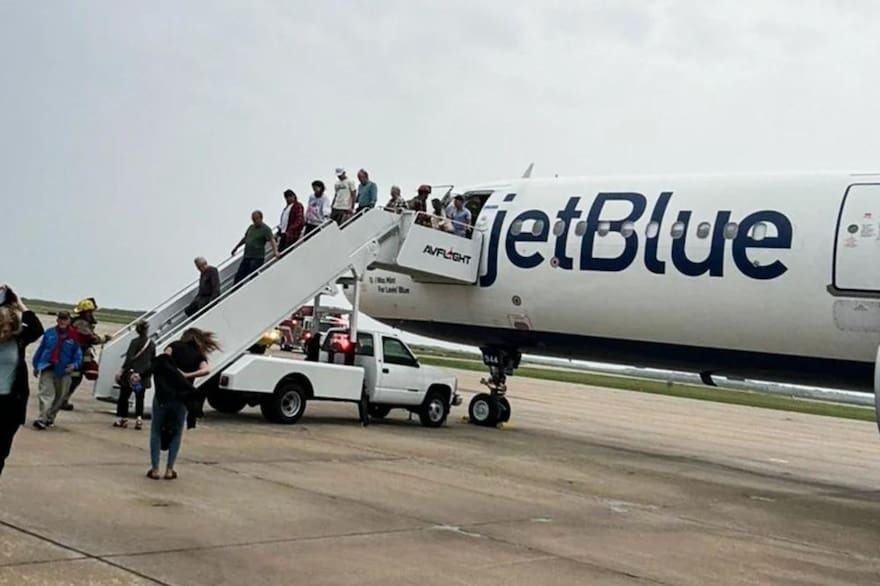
(247, 266)
(176, 411)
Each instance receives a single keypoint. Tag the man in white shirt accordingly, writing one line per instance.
(345, 194)
(319, 207)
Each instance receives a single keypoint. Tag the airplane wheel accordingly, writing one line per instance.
(483, 410)
(503, 410)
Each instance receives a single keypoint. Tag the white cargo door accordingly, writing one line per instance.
(857, 249)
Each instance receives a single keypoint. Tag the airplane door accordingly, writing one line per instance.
(857, 247)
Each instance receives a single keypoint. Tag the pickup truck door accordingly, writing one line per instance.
(398, 379)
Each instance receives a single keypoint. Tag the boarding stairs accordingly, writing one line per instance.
(375, 238)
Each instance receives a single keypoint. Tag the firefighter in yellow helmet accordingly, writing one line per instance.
(83, 330)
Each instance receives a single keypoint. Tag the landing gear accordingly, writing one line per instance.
(490, 409)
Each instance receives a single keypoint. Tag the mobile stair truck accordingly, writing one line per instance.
(311, 267)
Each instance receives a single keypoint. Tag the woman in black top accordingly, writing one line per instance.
(18, 328)
(188, 356)
(135, 376)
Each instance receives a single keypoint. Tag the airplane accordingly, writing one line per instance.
(759, 276)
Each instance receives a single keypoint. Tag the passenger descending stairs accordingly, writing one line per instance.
(242, 313)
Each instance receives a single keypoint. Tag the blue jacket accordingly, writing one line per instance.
(70, 353)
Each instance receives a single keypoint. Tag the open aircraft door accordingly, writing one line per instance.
(857, 246)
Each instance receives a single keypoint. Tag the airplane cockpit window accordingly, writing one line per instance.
(703, 230)
(730, 230)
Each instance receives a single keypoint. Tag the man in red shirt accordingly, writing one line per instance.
(292, 221)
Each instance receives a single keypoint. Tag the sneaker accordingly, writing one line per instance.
(67, 407)
(40, 425)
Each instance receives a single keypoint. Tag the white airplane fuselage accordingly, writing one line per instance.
(763, 276)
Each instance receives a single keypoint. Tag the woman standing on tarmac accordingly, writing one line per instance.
(174, 372)
(18, 328)
(135, 376)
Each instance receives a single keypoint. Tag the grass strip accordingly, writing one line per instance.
(117, 316)
(672, 389)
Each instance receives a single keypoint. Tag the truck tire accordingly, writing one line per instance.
(364, 409)
(379, 411)
(286, 405)
(226, 401)
(483, 410)
(434, 410)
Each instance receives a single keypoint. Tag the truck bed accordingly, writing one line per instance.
(260, 374)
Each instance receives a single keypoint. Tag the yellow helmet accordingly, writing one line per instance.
(87, 304)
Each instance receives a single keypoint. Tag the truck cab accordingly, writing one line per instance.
(378, 372)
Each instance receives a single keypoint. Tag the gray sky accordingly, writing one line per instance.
(136, 136)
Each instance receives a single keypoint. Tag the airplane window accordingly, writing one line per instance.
(538, 227)
(730, 230)
(516, 228)
(677, 230)
(580, 229)
(703, 230)
(558, 227)
(627, 229)
(604, 228)
(759, 231)
(652, 230)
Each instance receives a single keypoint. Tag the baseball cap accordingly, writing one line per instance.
(340, 170)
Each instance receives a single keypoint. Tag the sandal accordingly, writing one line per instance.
(121, 423)
(170, 475)
(152, 474)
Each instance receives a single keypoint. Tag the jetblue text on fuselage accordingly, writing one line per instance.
(713, 263)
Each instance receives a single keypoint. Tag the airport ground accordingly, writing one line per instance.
(587, 486)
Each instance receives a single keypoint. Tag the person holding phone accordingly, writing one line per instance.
(19, 327)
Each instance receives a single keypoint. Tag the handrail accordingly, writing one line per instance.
(304, 238)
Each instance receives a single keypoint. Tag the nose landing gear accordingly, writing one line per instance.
(490, 409)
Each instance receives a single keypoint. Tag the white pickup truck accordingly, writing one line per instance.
(382, 374)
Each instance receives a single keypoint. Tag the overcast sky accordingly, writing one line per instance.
(137, 135)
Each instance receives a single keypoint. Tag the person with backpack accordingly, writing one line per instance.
(173, 373)
(134, 376)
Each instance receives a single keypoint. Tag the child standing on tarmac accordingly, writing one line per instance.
(135, 376)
